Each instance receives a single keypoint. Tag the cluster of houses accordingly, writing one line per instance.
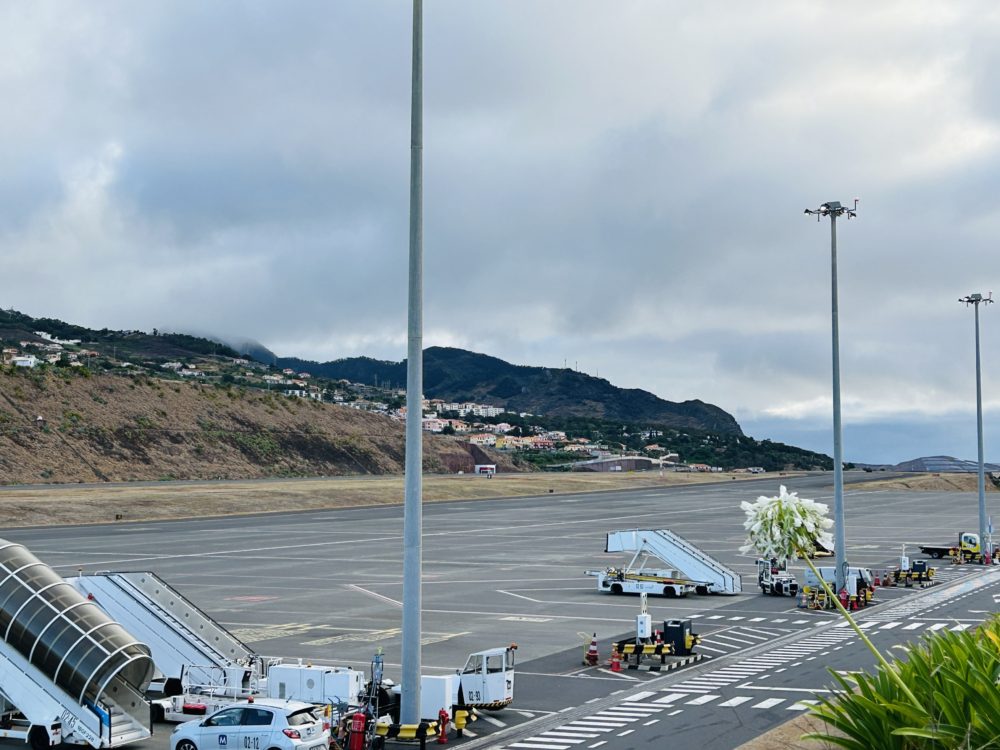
(48, 351)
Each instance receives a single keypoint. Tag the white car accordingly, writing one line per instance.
(265, 724)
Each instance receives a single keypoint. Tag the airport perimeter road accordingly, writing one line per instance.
(326, 586)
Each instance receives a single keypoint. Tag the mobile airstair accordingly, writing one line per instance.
(708, 574)
(182, 638)
(68, 672)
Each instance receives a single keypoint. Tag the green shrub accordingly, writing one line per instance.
(954, 676)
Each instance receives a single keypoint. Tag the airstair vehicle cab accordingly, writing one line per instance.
(487, 680)
(68, 672)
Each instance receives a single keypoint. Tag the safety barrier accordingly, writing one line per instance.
(419, 732)
(462, 716)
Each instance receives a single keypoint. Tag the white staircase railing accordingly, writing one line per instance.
(679, 553)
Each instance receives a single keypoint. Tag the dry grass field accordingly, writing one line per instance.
(69, 504)
(928, 483)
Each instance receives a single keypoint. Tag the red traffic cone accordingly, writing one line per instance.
(592, 656)
(616, 660)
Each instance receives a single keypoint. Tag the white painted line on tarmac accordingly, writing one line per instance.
(701, 700)
(802, 705)
(671, 697)
(539, 746)
(619, 675)
(640, 696)
(598, 744)
(526, 598)
(491, 720)
(938, 626)
(627, 731)
(912, 626)
(732, 702)
(702, 646)
(376, 596)
(768, 703)
(553, 737)
(570, 732)
(651, 721)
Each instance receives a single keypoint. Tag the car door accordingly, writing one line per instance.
(258, 724)
(221, 730)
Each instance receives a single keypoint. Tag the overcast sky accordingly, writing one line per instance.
(615, 185)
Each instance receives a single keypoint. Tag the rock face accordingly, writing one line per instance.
(114, 428)
(459, 375)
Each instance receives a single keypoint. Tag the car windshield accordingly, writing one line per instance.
(305, 716)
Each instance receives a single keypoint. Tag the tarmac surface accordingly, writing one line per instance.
(325, 586)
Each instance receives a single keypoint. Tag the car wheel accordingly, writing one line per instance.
(703, 590)
(186, 745)
(668, 591)
(616, 588)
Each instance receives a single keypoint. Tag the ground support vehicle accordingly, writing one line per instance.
(643, 581)
(909, 573)
(487, 679)
(68, 672)
(264, 724)
(859, 588)
(336, 687)
(968, 549)
(688, 567)
(675, 639)
(774, 579)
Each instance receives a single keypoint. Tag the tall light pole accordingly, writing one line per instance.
(976, 300)
(834, 209)
(413, 495)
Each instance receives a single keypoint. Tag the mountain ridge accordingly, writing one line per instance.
(459, 375)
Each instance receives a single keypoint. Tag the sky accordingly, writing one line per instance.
(617, 187)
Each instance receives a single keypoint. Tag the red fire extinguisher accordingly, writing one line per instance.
(356, 740)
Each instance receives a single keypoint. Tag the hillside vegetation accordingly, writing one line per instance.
(122, 428)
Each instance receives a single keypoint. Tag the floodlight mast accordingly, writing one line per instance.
(413, 493)
(834, 209)
(976, 300)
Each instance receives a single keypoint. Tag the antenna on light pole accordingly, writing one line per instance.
(976, 300)
(835, 209)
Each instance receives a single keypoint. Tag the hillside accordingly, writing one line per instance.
(459, 375)
(121, 428)
(16, 327)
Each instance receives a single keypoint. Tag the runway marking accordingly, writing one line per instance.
(520, 618)
(802, 705)
(701, 700)
(768, 703)
(493, 721)
(618, 675)
(268, 632)
(526, 598)
(380, 597)
(381, 635)
(733, 702)
(670, 698)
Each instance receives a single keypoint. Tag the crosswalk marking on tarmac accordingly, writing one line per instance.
(733, 702)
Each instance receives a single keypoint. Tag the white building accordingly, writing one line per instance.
(29, 360)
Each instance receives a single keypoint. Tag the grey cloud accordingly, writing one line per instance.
(620, 185)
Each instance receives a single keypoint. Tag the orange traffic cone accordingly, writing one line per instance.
(877, 582)
(616, 660)
(592, 656)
